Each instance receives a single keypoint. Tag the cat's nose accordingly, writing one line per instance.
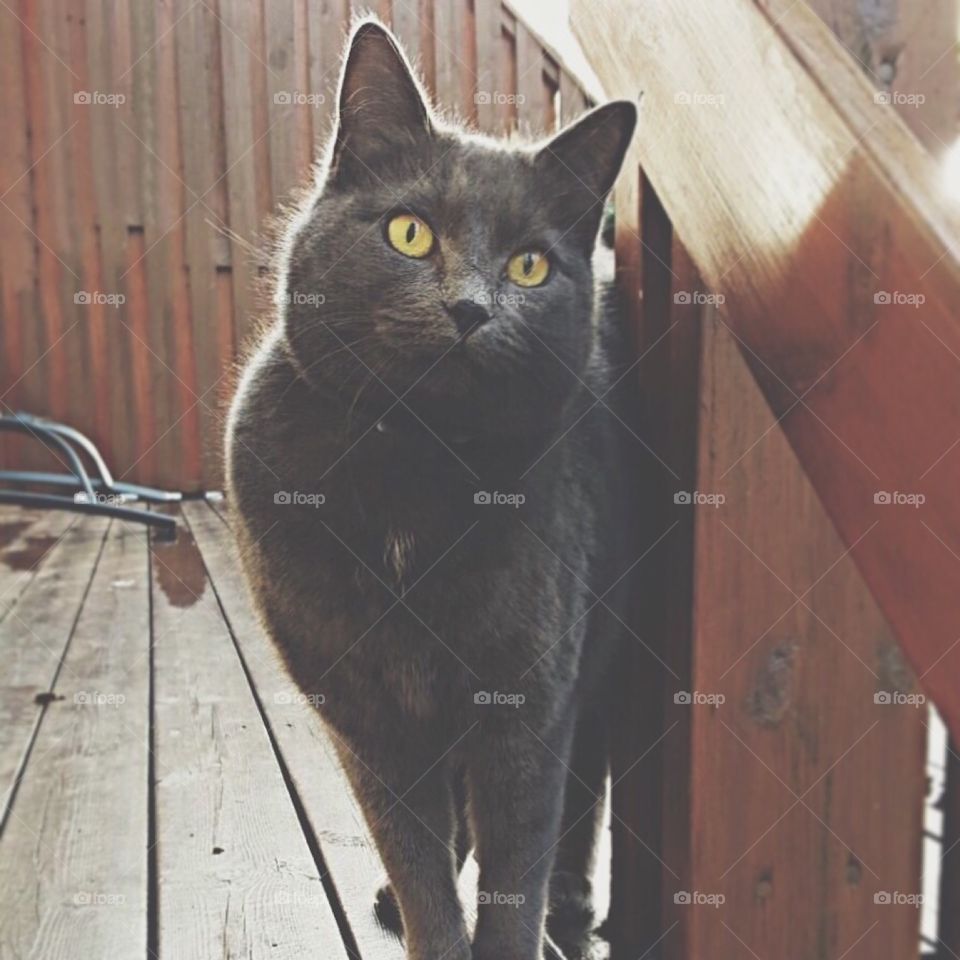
(467, 315)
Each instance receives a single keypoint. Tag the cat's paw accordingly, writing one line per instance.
(571, 918)
(589, 947)
(387, 909)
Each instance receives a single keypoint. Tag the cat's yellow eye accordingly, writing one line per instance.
(410, 235)
(528, 269)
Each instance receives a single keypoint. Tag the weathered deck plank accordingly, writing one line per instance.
(33, 639)
(235, 874)
(333, 815)
(73, 858)
(26, 540)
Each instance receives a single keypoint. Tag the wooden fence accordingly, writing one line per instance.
(145, 146)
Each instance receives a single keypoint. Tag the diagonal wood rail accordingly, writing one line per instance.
(808, 205)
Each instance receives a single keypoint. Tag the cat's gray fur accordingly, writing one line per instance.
(400, 600)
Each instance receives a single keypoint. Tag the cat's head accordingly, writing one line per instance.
(447, 269)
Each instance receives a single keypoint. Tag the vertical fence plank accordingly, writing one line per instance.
(140, 380)
(468, 64)
(147, 386)
(168, 344)
(487, 18)
(195, 42)
(327, 23)
(220, 366)
(306, 116)
(283, 95)
(100, 189)
(65, 119)
(531, 93)
(406, 25)
(448, 28)
(428, 51)
(49, 379)
(146, 267)
(573, 102)
(247, 165)
(507, 73)
(86, 122)
(19, 307)
(134, 368)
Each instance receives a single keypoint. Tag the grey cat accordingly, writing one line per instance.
(424, 454)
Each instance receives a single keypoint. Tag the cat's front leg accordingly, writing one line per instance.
(409, 807)
(517, 779)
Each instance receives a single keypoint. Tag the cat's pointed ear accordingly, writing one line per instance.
(381, 109)
(586, 157)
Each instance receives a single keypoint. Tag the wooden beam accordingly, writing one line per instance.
(818, 216)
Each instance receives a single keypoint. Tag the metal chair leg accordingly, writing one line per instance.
(92, 493)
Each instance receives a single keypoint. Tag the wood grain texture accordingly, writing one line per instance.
(27, 538)
(246, 159)
(17, 259)
(104, 61)
(573, 101)
(487, 17)
(804, 660)
(327, 22)
(33, 638)
(49, 228)
(347, 847)
(235, 874)
(80, 815)
(906, 50)
(169, 343)
(532, 101)
(447, 32)
(406, 27)
(206, 249)
(835, 232)
(288, 111)
(97, 319)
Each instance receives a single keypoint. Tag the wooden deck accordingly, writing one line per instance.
(167, 793)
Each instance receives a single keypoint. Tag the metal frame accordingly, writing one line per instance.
(59, 437)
